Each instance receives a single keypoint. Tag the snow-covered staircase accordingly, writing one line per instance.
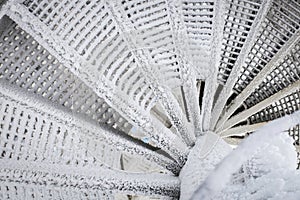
(107, 98)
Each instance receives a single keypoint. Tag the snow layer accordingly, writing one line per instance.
(262, 167)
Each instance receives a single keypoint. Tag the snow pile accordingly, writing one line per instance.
(262, 167)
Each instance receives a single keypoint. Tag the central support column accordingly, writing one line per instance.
(208, 151)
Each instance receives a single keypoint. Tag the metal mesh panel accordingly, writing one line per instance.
(27, 135)
(72, 20)
(89, 28)
(286, 105)
(294, 132)
(238, 21)
(148, 24)
(26, 63)
(280, 24)
(286, 72)
(197, 17)
(18, 191)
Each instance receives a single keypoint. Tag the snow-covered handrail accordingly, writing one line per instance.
(90, 179)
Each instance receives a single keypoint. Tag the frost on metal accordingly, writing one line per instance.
(134, 99)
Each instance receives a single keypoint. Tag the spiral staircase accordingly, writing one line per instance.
(106, 99)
